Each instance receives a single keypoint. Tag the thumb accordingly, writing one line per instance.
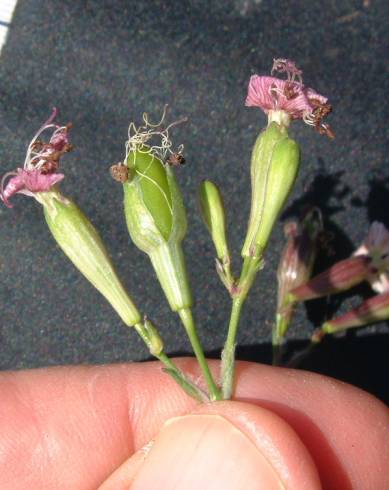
(223, 445)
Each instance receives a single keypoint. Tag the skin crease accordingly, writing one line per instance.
(73, 427)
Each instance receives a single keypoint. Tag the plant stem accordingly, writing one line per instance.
(190, 327)
(278, 351)
(251, 266)
(228, 354)
(280, 328)
(190, 388)
(300, 356)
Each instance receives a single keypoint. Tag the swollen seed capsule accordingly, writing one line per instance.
(156, 221)
(152, 182)
(274, 166)
(80, 241)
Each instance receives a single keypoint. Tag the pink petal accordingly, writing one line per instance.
(362, 250)
(258, 94)
(297, 106)
(380, 282)
(35, 181)
(376, 246)
(14, 185)
(313, 95)
(378, 237)
(268, 93)
(376, 242)
(29, 182)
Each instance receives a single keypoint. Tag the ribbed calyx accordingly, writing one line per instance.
(156, 221)
(275, 162)
(80, 241)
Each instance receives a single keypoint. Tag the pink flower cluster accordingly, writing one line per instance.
(370, 262)
(291, 96)
(39, 172)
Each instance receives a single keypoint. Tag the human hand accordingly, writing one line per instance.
(85, 427)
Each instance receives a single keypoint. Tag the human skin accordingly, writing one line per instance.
(83, 428)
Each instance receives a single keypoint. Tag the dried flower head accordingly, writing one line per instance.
(40, 169)
(376, 246)
(153, 138)
(288, 98)
(119, 172)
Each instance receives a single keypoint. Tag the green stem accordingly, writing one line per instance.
(190, 327)
(299, 357)
(228, 354)
(278, 350)
(190, 388)
(278, 335)
(251, 266)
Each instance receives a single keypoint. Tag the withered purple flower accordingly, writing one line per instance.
(40, 169)
(289, 97)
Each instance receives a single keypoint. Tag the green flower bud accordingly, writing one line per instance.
(274, 165)
(212, 210)
(156, 221)
(80, 241)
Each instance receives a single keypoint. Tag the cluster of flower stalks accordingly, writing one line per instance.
(156, 221)
(370, 262)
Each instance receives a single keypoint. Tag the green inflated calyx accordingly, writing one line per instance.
(150, 174)
(274, 165)
(81, 242)
(156, 220)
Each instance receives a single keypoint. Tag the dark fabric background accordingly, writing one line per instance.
(103, 63)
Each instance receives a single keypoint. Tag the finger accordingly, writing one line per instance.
(95, 417)
(224, 445)
(345, 429)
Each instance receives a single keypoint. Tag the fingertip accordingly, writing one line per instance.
(122, 477)
(274, 438)
(227, 445)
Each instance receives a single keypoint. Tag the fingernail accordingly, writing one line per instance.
(205, 452)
